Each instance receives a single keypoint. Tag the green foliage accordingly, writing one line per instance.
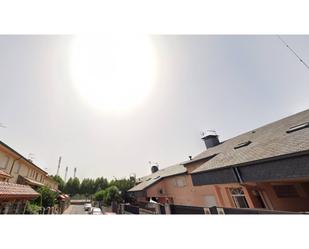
(72, 187)
(101, 189)
(124, 185)
(47, 197)
(108, 195)
(112, 193)
(100, 195)
(61, 183)
(100, 183)
(87, 187)
(32, 208)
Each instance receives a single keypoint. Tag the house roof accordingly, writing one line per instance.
(267, 142)
(149, 180)
(21, 156)
(12, 190)
(25, 159)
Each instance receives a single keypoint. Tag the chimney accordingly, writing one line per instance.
(210, 140)
(154, 169)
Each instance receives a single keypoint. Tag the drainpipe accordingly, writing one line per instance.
(237, 174)
(13, 164)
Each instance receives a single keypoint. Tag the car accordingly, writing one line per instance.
(96, 211)
(87, 206)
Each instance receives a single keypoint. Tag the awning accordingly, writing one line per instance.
(16, 191)
(3, 174)
(31, 182)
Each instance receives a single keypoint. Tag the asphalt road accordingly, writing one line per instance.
(76, 209)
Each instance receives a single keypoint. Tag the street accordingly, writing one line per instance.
(75, 209)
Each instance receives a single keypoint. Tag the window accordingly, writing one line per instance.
(4, 162)
(210, 201)
(36, 176)
(242, 145)
(286, 191)
(260, 201)
(239, 198)
(298, 127)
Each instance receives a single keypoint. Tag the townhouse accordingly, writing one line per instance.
(19, 177)
(172, 185)
(265, 168)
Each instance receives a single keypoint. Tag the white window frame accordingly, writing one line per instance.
(234, 197)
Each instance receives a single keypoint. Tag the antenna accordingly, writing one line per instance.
(74, 172)
(66, 173)
(287, 45)
(59, 162)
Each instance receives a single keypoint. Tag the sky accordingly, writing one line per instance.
(230, 84)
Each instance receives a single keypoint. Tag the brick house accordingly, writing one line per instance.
(267, 167)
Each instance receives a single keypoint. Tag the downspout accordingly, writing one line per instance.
(238, 175)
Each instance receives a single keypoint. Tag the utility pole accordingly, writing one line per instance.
(74, 172)
(59, 162)
(66, 173)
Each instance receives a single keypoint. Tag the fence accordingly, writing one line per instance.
(179, 209)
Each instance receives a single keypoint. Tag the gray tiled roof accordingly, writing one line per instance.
(147, 181)
(268, 141)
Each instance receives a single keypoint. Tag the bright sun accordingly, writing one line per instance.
(113, 73)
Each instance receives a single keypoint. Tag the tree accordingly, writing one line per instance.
(100, 183)
(75, 186)
(72, 186)
(111, 194)
(60, 181)
(47, 197)
(100, 195)
(124, 185)
(87, 187)
(68, 186)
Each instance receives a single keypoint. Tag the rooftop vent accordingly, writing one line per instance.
(242, 145)
(210, 138)
(157, 177)
(298, 127)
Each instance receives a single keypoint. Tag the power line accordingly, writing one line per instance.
(287, 45)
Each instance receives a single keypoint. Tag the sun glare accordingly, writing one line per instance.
(113, 73)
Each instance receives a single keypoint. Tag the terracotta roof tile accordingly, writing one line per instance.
(12, 190)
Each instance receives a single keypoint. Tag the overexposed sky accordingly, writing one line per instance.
(230, 84)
